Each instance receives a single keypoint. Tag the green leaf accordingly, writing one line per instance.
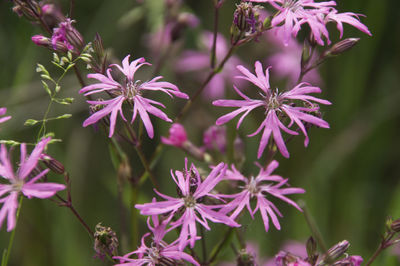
(30, 122)
(46, 87)
(9, 142)
(65, 101)
(64, 116)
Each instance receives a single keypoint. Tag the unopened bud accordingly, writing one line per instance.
(311, 246)
(245, 258)
(341, 47)
(395, 226)
(336, 251)
(245, 17)
(46, 42)
(53, 164)
(105, 241)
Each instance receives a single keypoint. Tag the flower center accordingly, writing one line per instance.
(154, 253)
(273, 102)
(17, 184)
(252, 187)
(190, 202)
(132, 88)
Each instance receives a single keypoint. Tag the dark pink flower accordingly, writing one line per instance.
(261, 188)
(200, 61)
(130, 91)
(192, 191)
(214, 138)
(3, 111)
(18, 181)
(177, 136)
(277, 105)
(66, 34)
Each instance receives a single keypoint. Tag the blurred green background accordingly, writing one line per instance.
(350, 172)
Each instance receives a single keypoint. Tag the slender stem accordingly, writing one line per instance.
(203, 244)
(221, 244)
(71, 8)
(214, 44)
(69, 205)
(205, 83)
(79, 76)
(313, 226)
(6, 255)
(382, 246)
(134, 216)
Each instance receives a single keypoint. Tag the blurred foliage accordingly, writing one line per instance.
(351, 172)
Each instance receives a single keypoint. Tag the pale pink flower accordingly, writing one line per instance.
(277, 105)
(18, 181)
(129, 91)
(192, 191)
(158, 252)
(3, 111)
(177, 136)
(200, 61)
(261, 187)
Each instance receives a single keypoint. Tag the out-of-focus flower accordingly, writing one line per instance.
(158, 252)
(214, 138)
(200, 61)
(260, 187)
(3, 111)
(288, 259)
(294, 13)
(276, 105)
(285, 60)
(177, 136)
(192, 191)
(130, 91)
(19, 181)
(292, 247)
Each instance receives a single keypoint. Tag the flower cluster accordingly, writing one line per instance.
(292, 14)
(129, 91)
(277, 105)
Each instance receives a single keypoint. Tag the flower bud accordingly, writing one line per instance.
(341, 47)
(336, 251)
(245, 258)
(105, 241)
(177, 136)
(311, 246)
(395, 225)
(350, 261)
(214, 138)
(245, 18)
(51, 163)
(65, 33)
(46, 42)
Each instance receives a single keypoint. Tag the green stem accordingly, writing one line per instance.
(134, 216)
(221, 244)
(6, 253)
(203, 244)
(313, 226)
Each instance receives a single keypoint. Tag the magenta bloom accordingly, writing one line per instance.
(192, 191)
(261, 187)
(177, 136)
(158, 252)
(3, 111)
(129, 91)
(200, 61)
(275, 104)
(294, 13)
(215, 138)
(18, 181)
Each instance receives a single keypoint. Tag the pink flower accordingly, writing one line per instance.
(200, 61)
(277, 105)
(18, 183)
(3, 111)
(192, 191)
(177, 136)
(67, 35)
(158, 252)
(294, 13)
(260, 187)
(129, 91)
